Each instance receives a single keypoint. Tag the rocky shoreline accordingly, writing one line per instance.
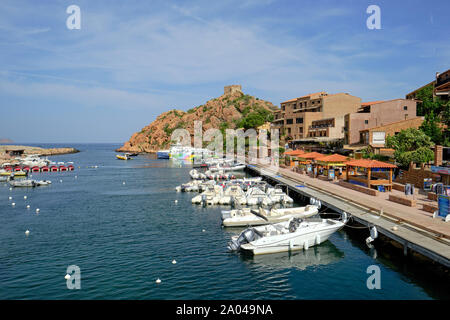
(4, 157)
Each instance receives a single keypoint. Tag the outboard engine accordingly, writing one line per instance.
(204, 200)
(246, 236)
(233, 201)
(260, 202)
(293, 225)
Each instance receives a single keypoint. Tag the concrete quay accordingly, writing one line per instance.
(415, 230)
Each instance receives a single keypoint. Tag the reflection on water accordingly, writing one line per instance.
(323, 254)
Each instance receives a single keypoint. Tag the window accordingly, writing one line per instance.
(366, 121)
(405, 107)
(299, 120)
(300, 129)
(289, 121)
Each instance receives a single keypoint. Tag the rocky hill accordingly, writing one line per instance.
(232, 110)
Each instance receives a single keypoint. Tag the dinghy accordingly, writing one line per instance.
(277, 195)
(246, 216)
(294, 234)
(43, 182)
(256, 196)
(126, 156)
(209, 197)
(233, 195)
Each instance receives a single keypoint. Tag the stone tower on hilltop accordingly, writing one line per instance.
(232, 89)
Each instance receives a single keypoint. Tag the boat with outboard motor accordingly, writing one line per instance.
(233, 195)
(277, 195)
(247, 216)
(225, 167)
(210, 196)
(255, 196)
(43, 182)
(125, 156)
(294, 234)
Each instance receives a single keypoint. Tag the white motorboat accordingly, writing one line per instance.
(256, 196)
(294, 234)
(277, 195)
(22, 183)
(196, 175)
(205, 185)
(43, 182)
(246, 216)
(219, 175)
(233, 195)
(209, 197)
(227, 167)
(192, 186)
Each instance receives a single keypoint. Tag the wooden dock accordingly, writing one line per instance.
(424, 235)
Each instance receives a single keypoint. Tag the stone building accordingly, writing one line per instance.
(375, 114)
(232, 89)
(314, 112)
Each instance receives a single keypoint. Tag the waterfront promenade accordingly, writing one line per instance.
(415, 229)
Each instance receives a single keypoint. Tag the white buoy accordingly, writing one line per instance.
(37, 210)
(76, 177)
(28, 206)
(123, 183)
(10, 189)
(203, 230)
(10, 198)
(306, 245)
(60, 181)
(174, 261)
(27, 232)
(25, 197)
(13, 204)
(176, 201)
(158, 280)
(67, 276)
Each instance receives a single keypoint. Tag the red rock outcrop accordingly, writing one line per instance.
(224, 111)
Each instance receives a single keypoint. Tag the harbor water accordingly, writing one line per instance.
(120, 223)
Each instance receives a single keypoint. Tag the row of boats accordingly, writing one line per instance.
(181, 152)
(268, 229)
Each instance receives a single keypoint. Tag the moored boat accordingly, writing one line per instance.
(246, 216)
(294, 234)
(163, 154)
(22, 183)
(123, 157)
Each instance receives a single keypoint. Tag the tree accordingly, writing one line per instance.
(411, 145)
(437, 115)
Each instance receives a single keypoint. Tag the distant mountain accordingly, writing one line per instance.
(232, 110)
(6, 141)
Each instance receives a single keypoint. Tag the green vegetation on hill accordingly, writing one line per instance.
(253, 118)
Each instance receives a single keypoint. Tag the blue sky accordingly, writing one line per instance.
(132, 60)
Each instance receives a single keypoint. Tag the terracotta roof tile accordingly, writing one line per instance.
(311, 155)
(333, 158)
(366, 163)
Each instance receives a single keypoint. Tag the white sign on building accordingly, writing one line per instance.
(379, 137)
